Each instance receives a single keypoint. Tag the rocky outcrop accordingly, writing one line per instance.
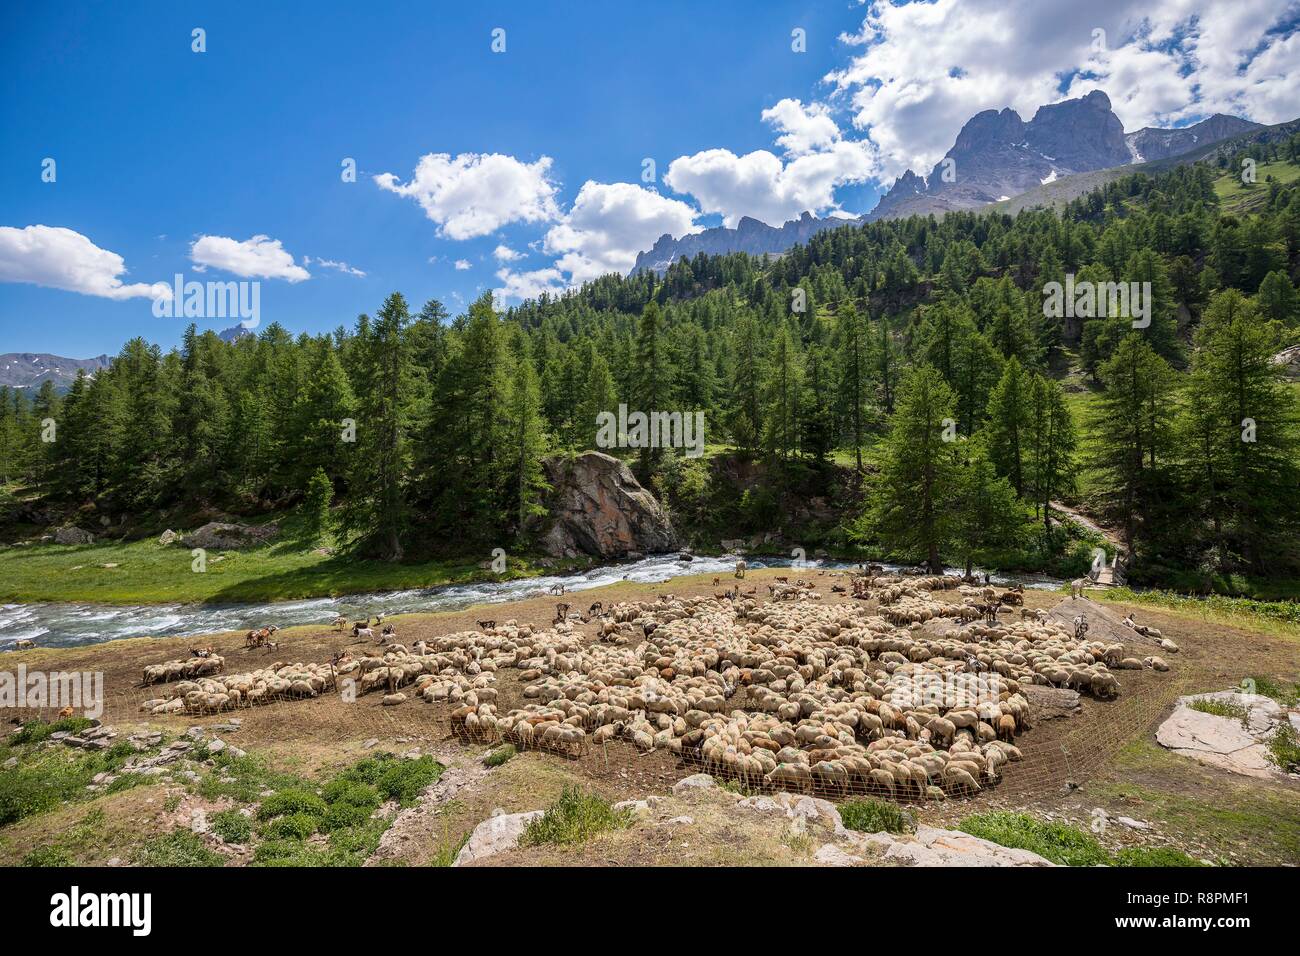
(1289, 359)
(73, 535)
(228, 536)
(1235, 744)
(496, 834)
(597, 507)
(749, 235)
(1149, 144)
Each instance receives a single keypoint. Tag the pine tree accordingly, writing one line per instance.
(854, 374)
(376, 513)
(1131, 429)
(1008, 424)
(985, 512)
(527, 445)
(918, 468)
(315, 508)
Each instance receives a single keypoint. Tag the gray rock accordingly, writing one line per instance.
(696, 781)
(496, 834)
(935, 847)
(831, 855)
(229, 536)
(73, 535)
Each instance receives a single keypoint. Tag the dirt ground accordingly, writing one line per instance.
(1104, 757)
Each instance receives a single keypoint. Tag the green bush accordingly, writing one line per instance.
(874, 816)
(232, 826)
(289, 801)
(395, 778)
(341, 816)
(499, 756)
(1284, 749)
(291, 826)
(575, 817)
(1062, 844)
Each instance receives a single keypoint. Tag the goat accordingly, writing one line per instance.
(24, 644)
(561, 612)
(201, 651)
(340, 622)
(555, 589)
(741, 568)
(717, 582)
(596, 608)
(487, 625)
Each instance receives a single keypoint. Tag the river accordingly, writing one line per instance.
(75, 624)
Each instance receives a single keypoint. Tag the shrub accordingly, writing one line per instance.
(575, 817)
(873, 816)
(1284, 749)
(232, 826)
(394, 778)
(499, 756)
(1062, 844)
(291, 826)
(289, 801)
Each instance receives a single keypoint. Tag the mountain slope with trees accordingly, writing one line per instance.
(829, 369)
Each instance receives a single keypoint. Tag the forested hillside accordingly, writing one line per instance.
(912, 355)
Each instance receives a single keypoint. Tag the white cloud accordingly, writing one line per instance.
(463, 265)
(260, 257)
(760, 185)
(804, 129)
(474, 194)
(609, 224)
(333, 264)
(529, 285)
(60, 258)
(926, 67)
(504, 253)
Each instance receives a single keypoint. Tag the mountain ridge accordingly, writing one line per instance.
(995, 157)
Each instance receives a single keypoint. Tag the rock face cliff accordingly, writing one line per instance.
(597, 507)
(750, 235)
(996, 156)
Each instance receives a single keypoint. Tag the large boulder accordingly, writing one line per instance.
(1236, 744)
(598, 507)
(228, 536)
(73, 535)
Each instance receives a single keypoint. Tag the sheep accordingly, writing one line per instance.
(24, 644)
(741, 568)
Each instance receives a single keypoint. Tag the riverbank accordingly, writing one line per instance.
(146, 572)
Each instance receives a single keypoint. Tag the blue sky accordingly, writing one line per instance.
(156, 145)
(174, 161)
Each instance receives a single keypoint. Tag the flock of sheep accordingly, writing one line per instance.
(911, 699)
(210, 695)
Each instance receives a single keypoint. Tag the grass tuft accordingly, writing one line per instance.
(876, 816)
(575, 817)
